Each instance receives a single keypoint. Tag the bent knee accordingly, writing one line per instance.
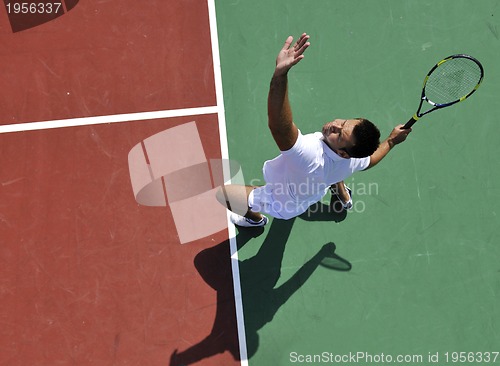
(234, 198)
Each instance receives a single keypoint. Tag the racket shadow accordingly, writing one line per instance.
(262, 299)
(334, 261)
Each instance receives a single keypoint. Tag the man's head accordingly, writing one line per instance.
(352, 138)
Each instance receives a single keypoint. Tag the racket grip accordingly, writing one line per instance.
(410, 123)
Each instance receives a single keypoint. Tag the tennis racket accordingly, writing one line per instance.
(450, 81)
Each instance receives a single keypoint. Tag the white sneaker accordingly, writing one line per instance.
(239, 220)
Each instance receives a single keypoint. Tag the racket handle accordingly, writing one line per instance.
(410, 123)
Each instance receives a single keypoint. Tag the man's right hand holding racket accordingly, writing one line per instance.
(397, 136)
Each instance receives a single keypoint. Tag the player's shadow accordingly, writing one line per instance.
(262, 298)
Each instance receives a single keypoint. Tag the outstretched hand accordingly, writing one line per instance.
(289, 55)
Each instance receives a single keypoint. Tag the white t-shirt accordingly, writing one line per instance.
(301, 176)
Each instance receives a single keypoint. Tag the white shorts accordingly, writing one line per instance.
(262, 200)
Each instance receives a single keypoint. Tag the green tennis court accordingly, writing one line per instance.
(423, 238)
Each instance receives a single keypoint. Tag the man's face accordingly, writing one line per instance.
(338, 136)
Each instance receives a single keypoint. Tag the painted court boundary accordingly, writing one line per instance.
(225, 155)
(115, 118)
(217, 109)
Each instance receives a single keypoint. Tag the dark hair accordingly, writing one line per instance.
(366, 137)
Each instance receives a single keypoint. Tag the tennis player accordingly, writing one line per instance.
(308, 165)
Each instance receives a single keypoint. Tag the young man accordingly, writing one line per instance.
(310, 164)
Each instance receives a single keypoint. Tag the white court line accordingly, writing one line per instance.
(225, 155)
(115, 118)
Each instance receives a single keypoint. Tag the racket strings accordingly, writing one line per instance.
(452, 80)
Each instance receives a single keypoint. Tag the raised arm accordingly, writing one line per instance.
(398, 135)
(279, 111)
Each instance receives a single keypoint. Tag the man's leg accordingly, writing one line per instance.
(235, 198)
(340, 190)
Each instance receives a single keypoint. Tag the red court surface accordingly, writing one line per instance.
(108, 57)
(87, 275)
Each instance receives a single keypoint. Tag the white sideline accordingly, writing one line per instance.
(225, 155)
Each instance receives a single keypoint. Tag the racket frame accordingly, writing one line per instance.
(435, 106)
